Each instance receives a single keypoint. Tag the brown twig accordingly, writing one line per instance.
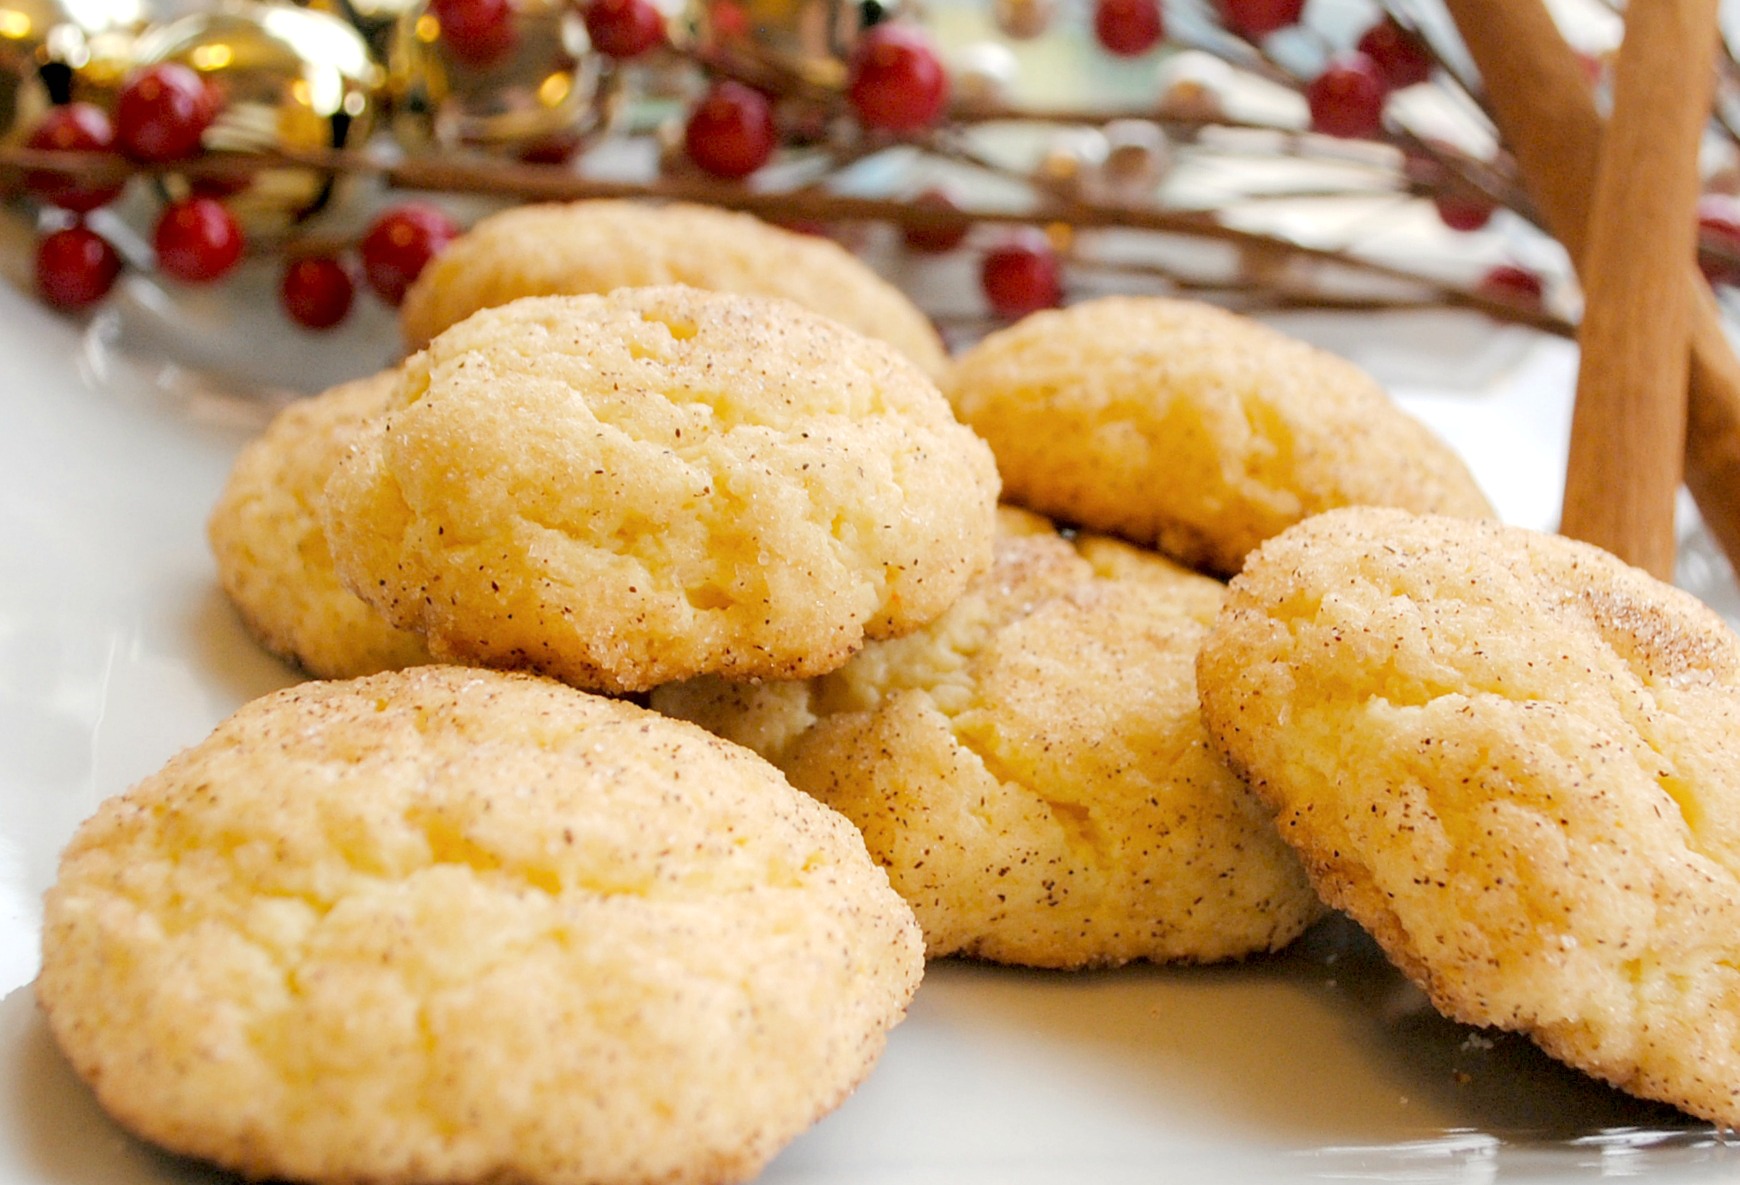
(541, 182)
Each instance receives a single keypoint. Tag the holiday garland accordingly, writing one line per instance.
(771, 108)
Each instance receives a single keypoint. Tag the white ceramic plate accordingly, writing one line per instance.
(116, 649)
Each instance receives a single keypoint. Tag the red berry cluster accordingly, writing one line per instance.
(1348, 97)
(1132, 27)
(482, 34)
(317, 291)
(895, 83)
(161, 115)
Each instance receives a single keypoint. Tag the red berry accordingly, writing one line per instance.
(937, 237)
(730, 132)
(161, 113)
(316, 292)
(400, 244)
(1719, 228)
(74, 127)
(1347, 99)
(729, 19)
(624, 28)
(1258, 18)
(895, 80)
(1515, 285)
(75, 267)
(1128, 27)
(1021, 276)
(1463, 209)
(1401, 55)
(197, 239)
(476, 32)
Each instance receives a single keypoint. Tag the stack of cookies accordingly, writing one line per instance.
(652, 453)
(462, 921)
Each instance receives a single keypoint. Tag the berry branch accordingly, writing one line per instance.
(788, 133)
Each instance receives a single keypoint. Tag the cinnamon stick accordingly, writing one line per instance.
(1628, 429)
(1539, 95)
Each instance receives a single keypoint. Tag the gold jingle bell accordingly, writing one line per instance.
(56, 51)
(810, 38)
(374, 19)
(540, 93)
(287, 79)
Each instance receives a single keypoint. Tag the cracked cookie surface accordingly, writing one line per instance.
(452, 925)
(271, 552)
(551, 249)
(1184, 427)
(1031, 768)
(629, 489)
(1513, 759)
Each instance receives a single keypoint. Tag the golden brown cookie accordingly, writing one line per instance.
(629, 489)
(271, 552)
(1516, 761)
(597, 246)
(450, 925)
(1183, 426)
(1032, 771)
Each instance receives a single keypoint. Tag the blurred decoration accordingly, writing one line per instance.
(1052, 148)
(522, 80)
(807, 40)
(281, 81)
(56, 51)
(374, 19)
(1024, 20)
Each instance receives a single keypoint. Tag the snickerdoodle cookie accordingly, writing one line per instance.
(1516, 761)
(271, 552)
(451, 925)
(1189, 428)
(1032, 770)
(628, 489)
(597, 246)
